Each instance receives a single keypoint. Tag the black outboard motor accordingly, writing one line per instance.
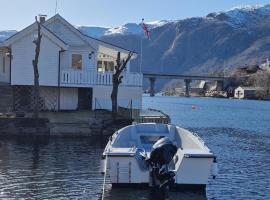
(160, 176)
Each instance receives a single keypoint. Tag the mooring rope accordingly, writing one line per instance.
(104, 180)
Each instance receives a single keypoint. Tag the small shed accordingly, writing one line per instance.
(248, 92)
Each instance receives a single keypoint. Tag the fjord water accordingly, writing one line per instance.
(237, 131)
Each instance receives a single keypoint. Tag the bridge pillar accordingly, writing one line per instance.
(187, 84)
(152, 86)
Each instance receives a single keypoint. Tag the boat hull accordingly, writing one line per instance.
(175, 187)
(192, 171)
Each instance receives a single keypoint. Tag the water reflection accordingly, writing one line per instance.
(50, 169)
(131, 194)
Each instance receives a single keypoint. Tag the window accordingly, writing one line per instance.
(77, 61)
(110, 66)
(105, 66)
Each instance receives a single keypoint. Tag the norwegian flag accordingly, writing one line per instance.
(145, 29)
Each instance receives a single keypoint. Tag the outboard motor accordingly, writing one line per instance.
(160, 176)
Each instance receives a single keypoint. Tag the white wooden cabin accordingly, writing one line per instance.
(75, 69)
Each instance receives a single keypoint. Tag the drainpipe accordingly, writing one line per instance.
(10, 59)
(59, 77)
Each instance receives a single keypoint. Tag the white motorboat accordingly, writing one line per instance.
(156, 155)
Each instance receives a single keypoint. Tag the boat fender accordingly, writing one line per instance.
(214, 168)
(103, 165)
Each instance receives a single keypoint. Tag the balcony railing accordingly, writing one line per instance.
(89, 78)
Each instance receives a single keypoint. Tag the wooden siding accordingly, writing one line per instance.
(23, 52)
(102, 97)
(87, 64)
(69, 98)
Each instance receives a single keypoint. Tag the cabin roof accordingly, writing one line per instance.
(250, 88)
(94, 43)
(31, 28)
(104, 47)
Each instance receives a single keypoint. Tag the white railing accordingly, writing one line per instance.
(85, 78)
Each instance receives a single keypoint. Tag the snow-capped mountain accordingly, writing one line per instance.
(98, 31)
(243, 15)
(93, 31)
(222, 40)
(237, 17)
(126, 29)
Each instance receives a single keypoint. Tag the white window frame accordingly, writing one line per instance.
(78, 53)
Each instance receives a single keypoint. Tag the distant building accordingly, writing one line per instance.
(248, 92)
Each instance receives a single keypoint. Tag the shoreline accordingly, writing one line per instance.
(77, 124)
(198, 96)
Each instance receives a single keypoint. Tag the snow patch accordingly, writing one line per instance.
(244, 15)
(126, 29)
(246, 7)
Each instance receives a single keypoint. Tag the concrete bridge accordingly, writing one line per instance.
(187, 78)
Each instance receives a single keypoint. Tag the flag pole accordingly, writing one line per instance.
(147, 32)
(141, 55)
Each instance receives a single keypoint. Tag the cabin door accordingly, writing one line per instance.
(85, 98)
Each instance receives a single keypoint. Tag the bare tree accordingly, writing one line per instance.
(37, 42)
(117, 80)
(262, 79)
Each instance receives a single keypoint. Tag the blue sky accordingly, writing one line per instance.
(17, 14)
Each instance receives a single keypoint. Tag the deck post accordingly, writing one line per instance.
(187, 84)
(152, 86)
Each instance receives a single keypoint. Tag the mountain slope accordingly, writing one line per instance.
(223, 40)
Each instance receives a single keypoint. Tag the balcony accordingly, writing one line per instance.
(82, 78)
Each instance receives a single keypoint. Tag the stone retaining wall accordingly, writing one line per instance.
(24, 127)
(42, 127)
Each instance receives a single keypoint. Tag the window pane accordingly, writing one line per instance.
(106, 65)
(77, 61)
(111, 66)
(99, 66)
